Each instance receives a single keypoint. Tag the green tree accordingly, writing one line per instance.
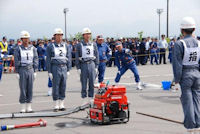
(140, 35)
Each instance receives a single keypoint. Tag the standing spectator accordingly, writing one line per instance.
(112, 47)
(4, 51)
(1, 65)
(142, 52)
(163, 46)
(147, 49)
(41, 55)
(124, 43)
(135, 50)
(11, 48)
(74, 43)
(153, 51)
(170, 47)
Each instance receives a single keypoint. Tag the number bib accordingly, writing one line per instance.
(191, 55)
(87, 51)
(59, 52)
(26, 55)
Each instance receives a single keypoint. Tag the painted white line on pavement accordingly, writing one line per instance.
(144, 76)
(144, 84)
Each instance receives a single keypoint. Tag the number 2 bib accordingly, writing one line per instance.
(60, 52)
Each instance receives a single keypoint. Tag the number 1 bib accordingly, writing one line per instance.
(26, 55)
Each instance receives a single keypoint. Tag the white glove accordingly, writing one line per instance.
(79, 71)
(96, 70)
(68, 73)
(176, 86)
(127, 51)
(17, 76)
(34, 76)
(118, 72)
(50, 76)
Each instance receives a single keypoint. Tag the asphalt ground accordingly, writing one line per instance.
(151, 100)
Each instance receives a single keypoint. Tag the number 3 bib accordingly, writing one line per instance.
(87, 51)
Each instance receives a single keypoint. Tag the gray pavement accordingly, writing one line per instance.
(152, 100)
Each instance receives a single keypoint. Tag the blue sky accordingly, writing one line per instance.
(113, 18)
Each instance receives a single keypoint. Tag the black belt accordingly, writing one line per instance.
(130, 61)
(103, 60)
(27, 67)
(60, 65)
(87, 62)
(190, 67)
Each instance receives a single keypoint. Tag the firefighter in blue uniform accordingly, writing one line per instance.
(41, 50)
(153, 51)
(124, 57)
(105, 54)
(171, 45)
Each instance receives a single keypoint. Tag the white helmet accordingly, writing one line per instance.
(58, 31)
(187, 23)
(86, 30)
(25, 34)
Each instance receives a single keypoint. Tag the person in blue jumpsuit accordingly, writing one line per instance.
(153, 51)
(185, 61)
(123, 56)
(105, 54)
(41, 54)
(49, 93)
(171, 45)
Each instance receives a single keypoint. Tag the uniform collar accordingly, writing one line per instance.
(61, 44)
(29, 46)
(99, 44)
(187, 36)
(86, 44)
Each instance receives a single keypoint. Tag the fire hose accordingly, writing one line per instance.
(44, 114)
(40, 123)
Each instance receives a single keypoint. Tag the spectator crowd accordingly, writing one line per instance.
(143, 50)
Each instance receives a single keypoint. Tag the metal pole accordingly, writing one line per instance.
(167, 18)
(159, 27)
(65, 14)
(65, 28)
(159, 11)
